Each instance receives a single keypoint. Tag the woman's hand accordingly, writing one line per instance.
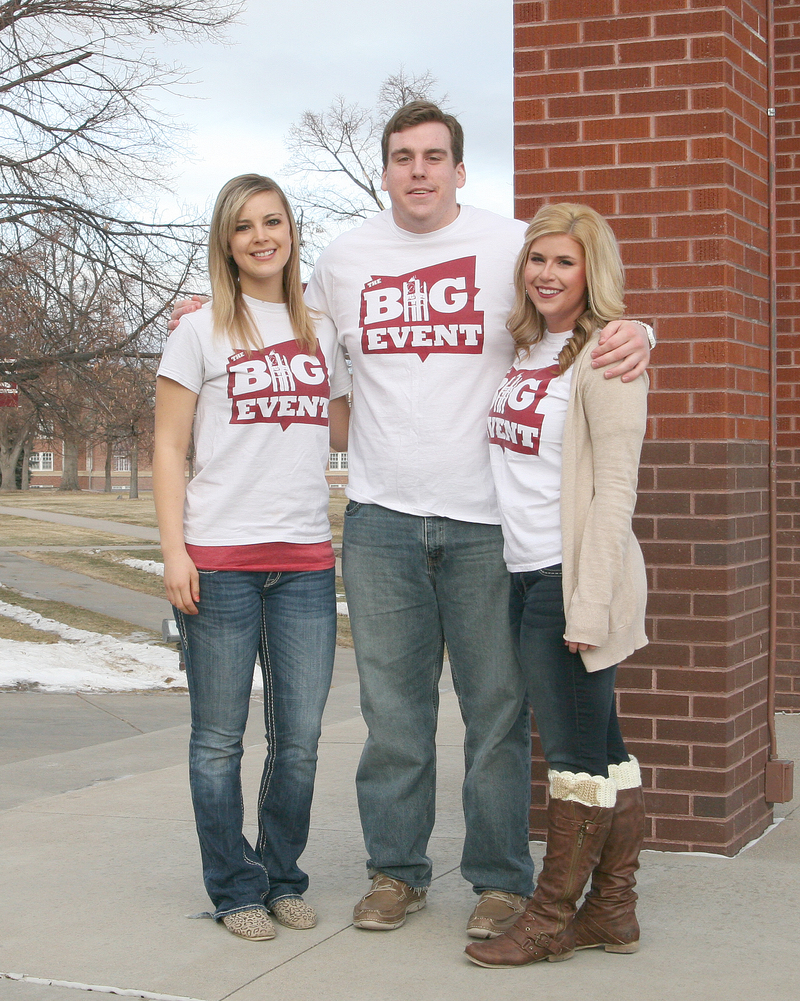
(578, 647)
(184, 306)
(182, 583)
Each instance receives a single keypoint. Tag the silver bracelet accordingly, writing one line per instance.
(651, 337)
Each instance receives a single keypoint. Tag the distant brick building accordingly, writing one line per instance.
(660, 115)
(46, 465)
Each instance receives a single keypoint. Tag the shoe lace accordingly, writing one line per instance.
(383, 882)
(505, 895)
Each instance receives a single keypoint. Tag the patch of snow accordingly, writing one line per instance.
(85, 661)
(149, 566)
(104, 666)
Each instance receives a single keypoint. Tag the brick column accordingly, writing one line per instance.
(787, 170)
(656, 116)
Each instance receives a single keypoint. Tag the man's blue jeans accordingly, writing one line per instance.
(574, 708)
(288, 621)
(413, 585)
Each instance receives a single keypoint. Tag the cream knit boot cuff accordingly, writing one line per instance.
(591, 790)
(626, 775)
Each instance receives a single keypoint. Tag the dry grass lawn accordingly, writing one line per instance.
(10, 629)
(25, 532)
(106, 566)
(336, 506)
(110, 507)
(115, 507)
(103, 565)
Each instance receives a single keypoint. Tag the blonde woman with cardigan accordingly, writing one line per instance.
(249, 566)
(565, 445)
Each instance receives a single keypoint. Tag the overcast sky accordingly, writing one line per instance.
(288, 56)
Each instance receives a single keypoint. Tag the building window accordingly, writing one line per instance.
(122, 464)
(40, 462)
(337, 461)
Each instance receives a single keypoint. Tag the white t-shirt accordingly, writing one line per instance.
(423, 319)
(526, 431)
(260, 429)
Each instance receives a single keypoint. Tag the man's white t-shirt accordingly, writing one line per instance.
(261, 429)
(423, 318)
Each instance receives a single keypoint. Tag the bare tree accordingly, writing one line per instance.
(17, 427)
(399, 89)
(64, 307)
(336, 154)
(76, 106)
(81, 144)
(75, 333)
(124, 406)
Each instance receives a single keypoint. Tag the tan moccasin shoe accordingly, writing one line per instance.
(495, 913)
(386, 905)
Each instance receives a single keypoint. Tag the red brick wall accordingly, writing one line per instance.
(787, 170)
(654, 112)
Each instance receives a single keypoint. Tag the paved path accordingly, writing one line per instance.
(55, 584)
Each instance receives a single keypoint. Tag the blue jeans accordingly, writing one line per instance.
(413, 585)
(288, 621)
(575, 709)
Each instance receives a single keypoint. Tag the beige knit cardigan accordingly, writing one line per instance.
(604, 581)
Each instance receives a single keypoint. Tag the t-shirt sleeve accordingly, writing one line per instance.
(315, 291)
(319, 294)
(183, 359)
(341, 383)
(338, 371)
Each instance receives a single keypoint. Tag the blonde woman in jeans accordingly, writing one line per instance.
(248, 561)
(565, 445)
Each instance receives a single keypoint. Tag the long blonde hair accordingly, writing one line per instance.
(605, 278)
(232, 318)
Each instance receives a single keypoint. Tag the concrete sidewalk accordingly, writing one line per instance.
(100, 871)
(100, 874)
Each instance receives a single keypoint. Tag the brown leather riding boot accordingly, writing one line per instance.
(607, 917)
(576, 833)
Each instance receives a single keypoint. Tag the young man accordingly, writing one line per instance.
(420, 295)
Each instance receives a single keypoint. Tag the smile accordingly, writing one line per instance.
(263, 255)
(548, 293)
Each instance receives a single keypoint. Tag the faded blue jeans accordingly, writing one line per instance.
(575, 709)
(288, 621)
(413, 585)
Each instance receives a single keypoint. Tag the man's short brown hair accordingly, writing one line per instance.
(417, 113)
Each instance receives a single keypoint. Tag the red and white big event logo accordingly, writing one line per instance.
(430, 311)
(278, 385)
(515, 422)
